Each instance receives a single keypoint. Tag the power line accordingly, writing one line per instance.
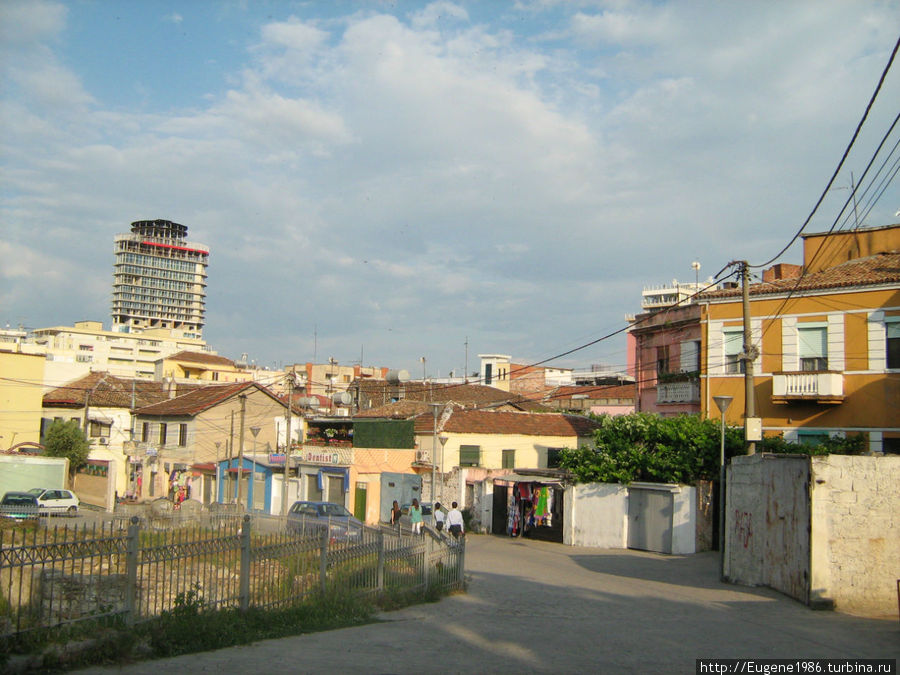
(842, 160)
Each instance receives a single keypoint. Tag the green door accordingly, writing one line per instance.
(359, 502)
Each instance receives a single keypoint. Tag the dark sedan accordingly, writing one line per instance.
(312, 516)
(19, 506)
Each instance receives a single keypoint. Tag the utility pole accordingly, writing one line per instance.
(748, 355)
(466, 371)
(240, 466)
(287, 441)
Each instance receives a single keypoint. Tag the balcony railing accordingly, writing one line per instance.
(687, 391)
(818, 386)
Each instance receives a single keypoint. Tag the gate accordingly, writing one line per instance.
(650, 512)
(767, 530)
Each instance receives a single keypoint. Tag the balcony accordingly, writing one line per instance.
(816, 387)
(685, 391)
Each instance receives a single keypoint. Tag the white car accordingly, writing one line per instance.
(52, 501)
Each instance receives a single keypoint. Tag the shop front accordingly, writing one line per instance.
(324, 474)
(528, 506)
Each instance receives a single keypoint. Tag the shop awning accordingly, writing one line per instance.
(522, 478)
(344, 473)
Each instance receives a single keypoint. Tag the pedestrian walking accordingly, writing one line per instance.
(395, 515)
(415, 517)
(455, 521)
(438, 517)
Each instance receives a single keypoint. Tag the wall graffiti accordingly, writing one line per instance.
(743, 527)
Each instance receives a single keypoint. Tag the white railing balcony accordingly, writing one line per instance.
(687, 391)
(819, 386)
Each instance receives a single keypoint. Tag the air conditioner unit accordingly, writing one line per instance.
(103, 440)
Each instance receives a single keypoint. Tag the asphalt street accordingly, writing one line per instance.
(542, 607)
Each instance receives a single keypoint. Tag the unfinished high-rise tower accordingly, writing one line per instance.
(159, 280)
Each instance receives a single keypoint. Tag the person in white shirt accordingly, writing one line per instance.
(438, 516)
(455, 521)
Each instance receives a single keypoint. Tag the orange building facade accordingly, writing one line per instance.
(828, 341)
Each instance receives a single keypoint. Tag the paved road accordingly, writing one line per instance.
(541, 607)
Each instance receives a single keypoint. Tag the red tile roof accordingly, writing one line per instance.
(402, 410)
(107, 391)
(202, 399)
(513, 423)
(593, 392)
(881, 269)
(381, 393)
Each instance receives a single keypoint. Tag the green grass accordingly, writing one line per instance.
(190, 628)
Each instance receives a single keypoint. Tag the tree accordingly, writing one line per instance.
(682, 449)
(66, 439)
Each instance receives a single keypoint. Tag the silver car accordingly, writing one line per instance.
(52, 501)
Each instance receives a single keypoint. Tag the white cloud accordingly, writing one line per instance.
(23, 22)
(398, 179)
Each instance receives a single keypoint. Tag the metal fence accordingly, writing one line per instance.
(138, 568)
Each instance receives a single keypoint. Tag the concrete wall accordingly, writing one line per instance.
(23, 472)
(823, 530)
(596, 514)
(767, 521)
(684, 521)
(855, 547)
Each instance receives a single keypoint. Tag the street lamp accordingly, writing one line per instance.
(443, 439)
(722, 403)
(435, 407)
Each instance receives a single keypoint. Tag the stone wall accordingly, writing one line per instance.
(855, 541)
(823, 530)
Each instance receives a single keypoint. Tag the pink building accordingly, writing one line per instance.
(666, 352)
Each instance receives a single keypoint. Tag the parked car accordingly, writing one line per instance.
(426, 514)
(19, 506)
(55, 502)
(307, 516)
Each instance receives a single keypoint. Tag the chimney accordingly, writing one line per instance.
(782, 271)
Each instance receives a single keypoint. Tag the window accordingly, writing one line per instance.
(812, 438)
(182, 435)
(470, 455)
(734, 345)
(553, 457)
(893, 344)
(488, 373)
(813, 342)
(662, 360)
(145, 432)
(509, 459)
(690, 356)
(162, 433)
(98, 430)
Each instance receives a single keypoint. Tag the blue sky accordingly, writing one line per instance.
(390, 179)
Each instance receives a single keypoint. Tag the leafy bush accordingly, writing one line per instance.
(682, 449)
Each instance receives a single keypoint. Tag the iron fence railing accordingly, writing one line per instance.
(139, 568)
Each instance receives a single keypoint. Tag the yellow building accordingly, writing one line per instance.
(828, 340)
(202, 366)
(20, 398)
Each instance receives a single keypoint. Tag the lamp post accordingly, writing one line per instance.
(218, 445)
(722, 403)
(434, 409)
(443, 439)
